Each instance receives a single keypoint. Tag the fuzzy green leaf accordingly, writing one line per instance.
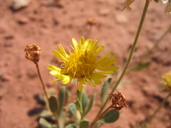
(111, 116)
(105, 90)
(84, 101)
(44, 124)
(84, 123)
(73, 109)
(90, 105)
(53, 104)
(62, 99)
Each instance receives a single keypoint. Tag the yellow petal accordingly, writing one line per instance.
(53, 68)
(80, 85)
(75, 43)
(66, 79)
(54, 73)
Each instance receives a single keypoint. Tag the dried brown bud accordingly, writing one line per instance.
(33, 52)
(118, 101)
(91, 21)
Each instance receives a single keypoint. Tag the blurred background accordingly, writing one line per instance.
(48, 23)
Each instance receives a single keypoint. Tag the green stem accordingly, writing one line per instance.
(130, 56)
(80, 101)
(157, 110)
(149, 51)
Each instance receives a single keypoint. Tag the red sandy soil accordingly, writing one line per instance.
(48, 25)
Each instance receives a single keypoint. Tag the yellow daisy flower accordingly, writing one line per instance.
(166, 81)
(83, 63)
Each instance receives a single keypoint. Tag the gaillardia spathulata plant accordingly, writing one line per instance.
(83, 63)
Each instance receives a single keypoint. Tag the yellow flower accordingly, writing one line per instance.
(83, 63)
(166, 81)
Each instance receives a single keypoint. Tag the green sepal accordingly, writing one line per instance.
(70, 126)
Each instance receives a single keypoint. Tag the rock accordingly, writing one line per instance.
(121, 18)
(18, 4)
(104, 12)
(23, 20)
(31, 73)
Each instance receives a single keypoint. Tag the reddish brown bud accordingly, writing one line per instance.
(33, 52)
(118, 101)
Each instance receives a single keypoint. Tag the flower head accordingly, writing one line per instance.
(166, 81)
(33, 52)
(83, 63)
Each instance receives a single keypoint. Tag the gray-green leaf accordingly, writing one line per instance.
(44, 124)
(105, 89)
(73, 109)
(89, 106)
(111, 116)
(84, 123)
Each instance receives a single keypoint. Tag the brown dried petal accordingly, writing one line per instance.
(33, 52)
(118, 101)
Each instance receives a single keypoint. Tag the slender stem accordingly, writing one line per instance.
(130, 55)
(46, 95)
(96, 119)
(43, 85)
(157, 110)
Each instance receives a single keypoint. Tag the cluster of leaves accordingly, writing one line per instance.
(75, 117)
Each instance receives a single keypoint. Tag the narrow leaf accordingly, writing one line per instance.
(62, 99)
(53, 105)
(84, 101)
(90, 105)
(44, 124)
(73, 109)
(105, 89)
(142, 66)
